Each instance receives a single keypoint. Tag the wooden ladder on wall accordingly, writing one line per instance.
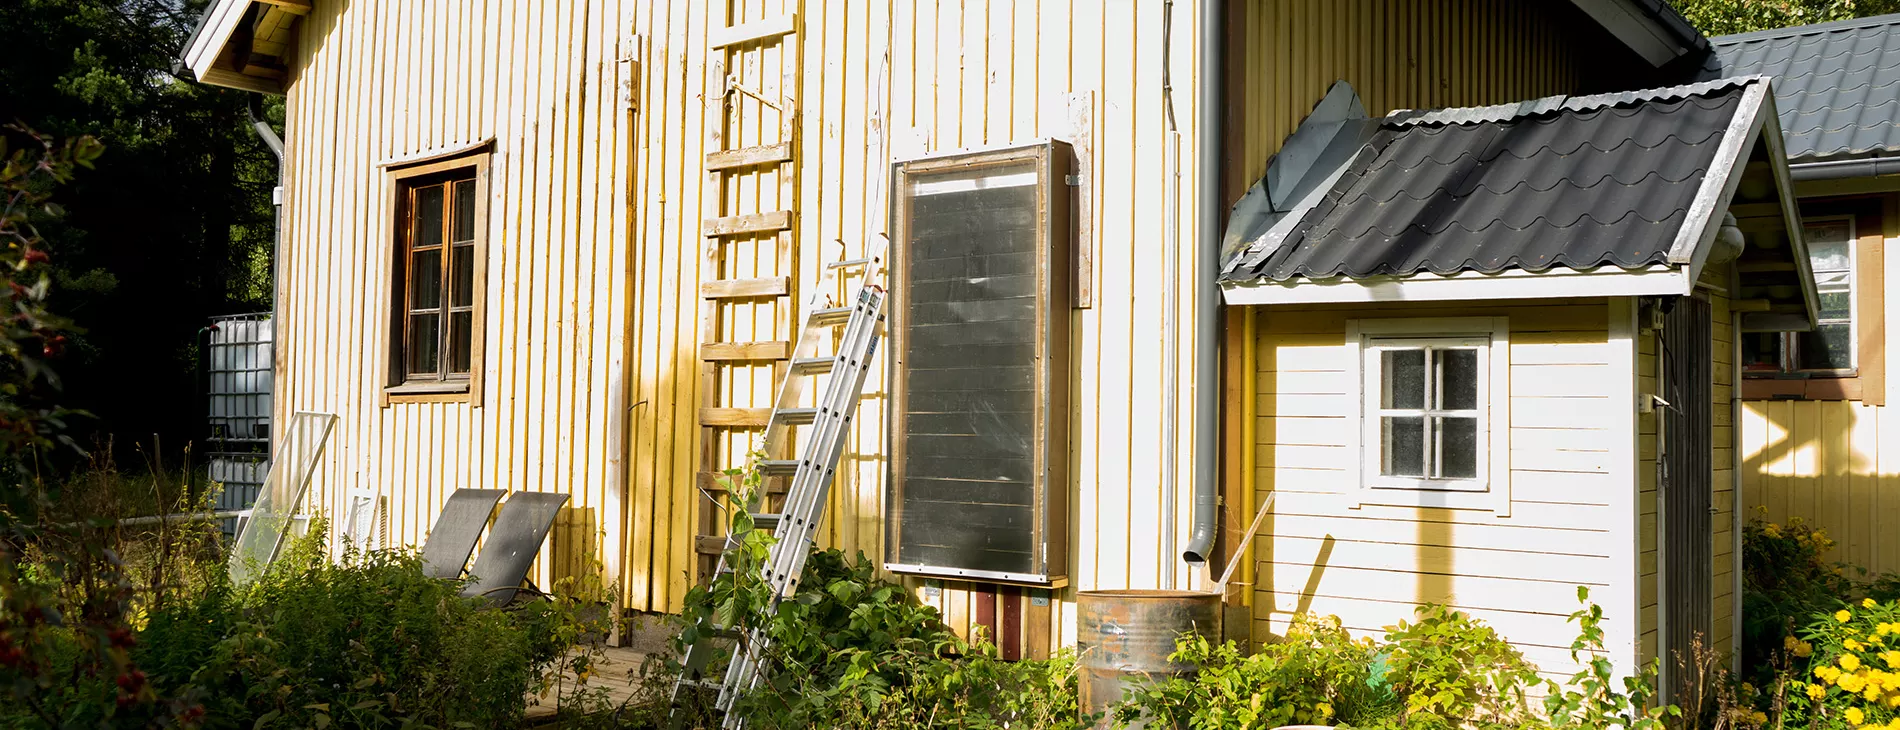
(746, 156)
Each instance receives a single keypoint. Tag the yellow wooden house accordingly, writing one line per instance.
(626, 203)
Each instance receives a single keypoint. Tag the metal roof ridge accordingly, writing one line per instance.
(1801, 30)
(1497, 113)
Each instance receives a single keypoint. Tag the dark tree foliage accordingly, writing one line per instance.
(1722, 17)
(172, 227)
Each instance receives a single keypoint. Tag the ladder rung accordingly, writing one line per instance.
(707, 684)
(772, 350)
(830, 315)
(770, 286)
(813, 365)
(797, 416)
(735, 417)
(766, 520)
(749, 156)
(778, 467)
(756, 30)
(735, 225)
(848, 263)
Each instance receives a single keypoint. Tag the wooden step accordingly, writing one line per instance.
(770, 286)
(770, 154)
(728, 351)
(735, 417)
(738, 225)
(756, 30)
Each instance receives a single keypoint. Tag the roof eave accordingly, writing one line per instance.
(1650, 28)
(213, 36)
(1556, 283)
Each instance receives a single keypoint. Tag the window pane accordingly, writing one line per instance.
(1827, 255)
(462, 283)
(1404, 442)
(1837, 292)
(1828, 347)
(459, 326)
(1458, 448)
(1404, 375)
(1761, 351)
(424, 336)
(425, 279)
(464, 210)
(1458, 379)
(428, 217)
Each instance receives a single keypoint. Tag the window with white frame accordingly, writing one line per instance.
(1425, 428)
(1431, 404)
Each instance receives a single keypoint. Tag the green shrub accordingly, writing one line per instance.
(1786, 581)
(1316, 674)
(1446, 670)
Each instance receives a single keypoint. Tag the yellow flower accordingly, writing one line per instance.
(1855, 716)
(1325, 710)
(1842, 615)
(1803, 649)
(1851, 645)
(1850, 662)
(1872, 694)
(1759, 718)
(1788, 642)
(1868, 602)
(1815, 692)
(1771, 529)
(1853, 683)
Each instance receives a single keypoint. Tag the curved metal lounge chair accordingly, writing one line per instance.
(504, 562)
(456, 530)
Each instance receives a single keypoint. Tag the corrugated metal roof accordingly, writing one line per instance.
(1837, 85)
(1579, 183)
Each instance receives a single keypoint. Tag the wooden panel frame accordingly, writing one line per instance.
(396, 180)
(1867, 383)
(1053, 160)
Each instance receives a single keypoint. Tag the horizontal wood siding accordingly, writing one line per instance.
(1371, 566)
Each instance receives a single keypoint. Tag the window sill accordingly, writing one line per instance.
(1821, 387)
(427, 393)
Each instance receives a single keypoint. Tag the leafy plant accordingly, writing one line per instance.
(1454, 667)
(1593, 697)
(1315, 674)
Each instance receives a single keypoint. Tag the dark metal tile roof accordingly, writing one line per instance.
(1576, 182)
(1837, 85)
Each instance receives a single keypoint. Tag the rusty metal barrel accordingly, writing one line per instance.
(1126, 635)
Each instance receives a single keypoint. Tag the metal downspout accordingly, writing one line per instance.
(1207, 137)
(255, 112)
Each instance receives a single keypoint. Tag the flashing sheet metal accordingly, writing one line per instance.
(1578, 183)
(1837, 85)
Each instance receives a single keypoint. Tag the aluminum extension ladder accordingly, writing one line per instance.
(822, 444)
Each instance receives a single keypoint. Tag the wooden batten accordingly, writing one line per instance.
(294, 7)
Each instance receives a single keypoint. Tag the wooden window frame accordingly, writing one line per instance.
(1491, 491)
(1866, 382)
(398, 387)
(1051, 161)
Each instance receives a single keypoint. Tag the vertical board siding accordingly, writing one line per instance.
(1834, 464)
(555, 293)
(1373, 565)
